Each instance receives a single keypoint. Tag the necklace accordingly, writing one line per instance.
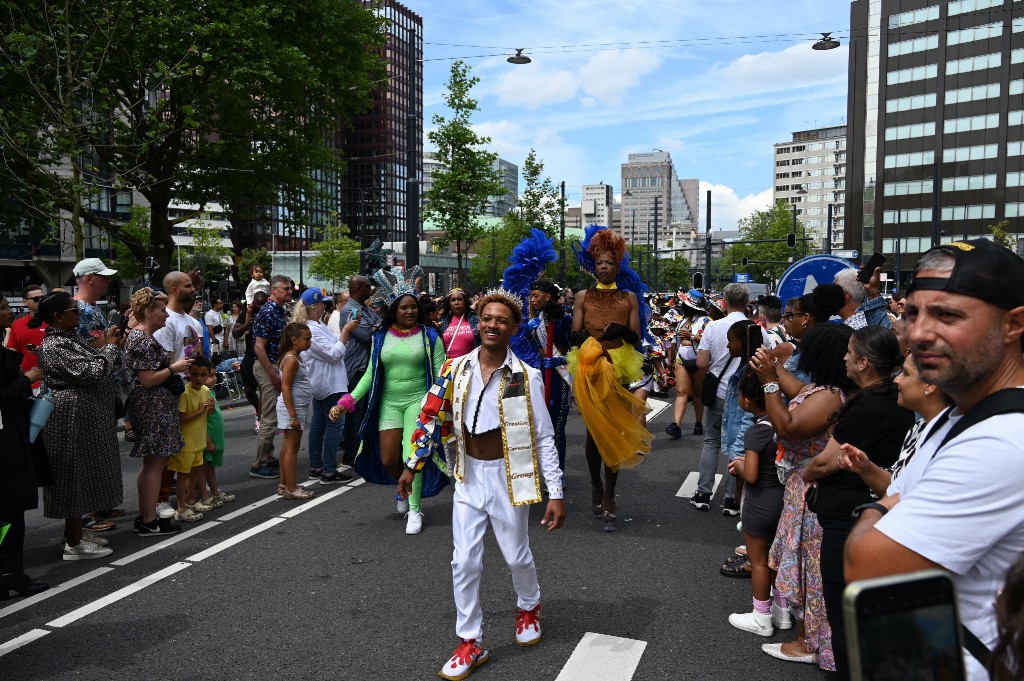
(395, 331)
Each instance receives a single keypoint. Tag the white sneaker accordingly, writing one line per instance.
(413, 522)
(754, 622)
(85, 550)
(164, 510)
(781, 617)
(468, 656)
(528, 626)
(89, 536)
(402, 506)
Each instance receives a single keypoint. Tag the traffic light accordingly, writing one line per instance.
(698, 280)
(791, 240)
(744, 261)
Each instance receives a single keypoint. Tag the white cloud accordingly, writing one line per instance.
(794, 67)
(529, 88)
(609, 75)
(727, 207)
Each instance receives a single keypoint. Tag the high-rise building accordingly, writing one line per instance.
(653, 196)
(508, 175)
(373, 190)
(810, 175)
(935, 112)
(596, 207)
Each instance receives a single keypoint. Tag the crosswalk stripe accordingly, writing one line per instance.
(598, 657)
(657, 406)
(690, 485)
(22, 640)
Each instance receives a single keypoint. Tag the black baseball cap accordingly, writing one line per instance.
(983, 270)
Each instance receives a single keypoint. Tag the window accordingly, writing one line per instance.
(954, 125)
(961, 6)
(903, 132)
(1014, 210)
(908, 215)
(782, 188)
(1016, 87)
(909, 103)
(972, 94)
(916, 45)
(967, 35)
(969, 212)
(979, 63)
(909, 75)
(1014, 117)
(782, 150)
(960, 184)
(781, 164)
(906, 188)
(781, 176)
(918, 158)
(1017, 25)
(1017, 56)
(1015, 179)
(958, 154)
(1014, 148)
(913, 17)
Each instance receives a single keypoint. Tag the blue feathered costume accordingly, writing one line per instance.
(529, 260)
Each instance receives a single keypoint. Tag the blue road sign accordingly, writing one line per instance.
(741, 278)
(806, 273)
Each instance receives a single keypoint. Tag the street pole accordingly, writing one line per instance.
(657, 199)
(935, 205)
(412, 161)
(650, 251)
(707, 243)
(301, 278)
(899, 214)
(794, 232)
(561, 236)
(828, 242)
(493, 267)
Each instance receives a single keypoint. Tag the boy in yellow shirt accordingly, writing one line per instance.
(193, 407)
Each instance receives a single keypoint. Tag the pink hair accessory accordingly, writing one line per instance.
(347, 404)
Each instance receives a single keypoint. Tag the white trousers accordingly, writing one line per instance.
(482, 496)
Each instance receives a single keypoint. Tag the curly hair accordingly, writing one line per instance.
(143, 300)
(505, 299)
(826, 300)
(750, 386)
(821, 356)
(607, 241)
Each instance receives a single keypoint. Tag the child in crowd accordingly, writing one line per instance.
(194, 406)
(292, 405)
(744, 338)
(762, 506)
(209, 493)
(256, 283)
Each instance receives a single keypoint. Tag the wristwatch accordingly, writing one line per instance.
(874, 505)
(771, 387)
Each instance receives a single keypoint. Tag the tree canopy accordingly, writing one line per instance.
(337, 256)
(774, 223)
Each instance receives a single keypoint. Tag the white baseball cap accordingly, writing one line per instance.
(93, 266)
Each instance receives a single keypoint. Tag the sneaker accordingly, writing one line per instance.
(698, 428)
(528, 626)
(754, 622)
(265, 472)
(344, 468)
(158, 528)
(85, 550)
(201, 506)
(188, 515)
(275, 464)
(731, 507)
(315, 473)
(782, 618)
(164, 510)
(335, 478)
(402, 506)
(701, 501)
(413, 522)
(673, 431)
(226, 496)
(468, 656)
(89, 536)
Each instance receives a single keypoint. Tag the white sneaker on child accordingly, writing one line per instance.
(781, 617)
(413, 522)
(754, 622)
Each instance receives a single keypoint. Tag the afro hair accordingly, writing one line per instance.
(607, 241)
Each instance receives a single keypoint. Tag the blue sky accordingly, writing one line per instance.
(715, 83)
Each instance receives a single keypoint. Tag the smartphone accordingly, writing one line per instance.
(875, 262)
(754, 341)
(353, 314)
(904, 627)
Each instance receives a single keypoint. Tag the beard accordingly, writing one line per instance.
(962, 371)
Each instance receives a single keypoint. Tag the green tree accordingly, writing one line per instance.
(251, 257)
(207, 253)
(468, 176)
(541, 204)
(674, 274)
(337, 256)
(1001, 236)
(135, 232)
(774, 223)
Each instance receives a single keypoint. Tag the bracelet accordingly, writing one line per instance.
(874, 506)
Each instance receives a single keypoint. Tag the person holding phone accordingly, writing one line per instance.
(863, 302)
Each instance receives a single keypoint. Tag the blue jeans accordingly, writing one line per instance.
(324, 434)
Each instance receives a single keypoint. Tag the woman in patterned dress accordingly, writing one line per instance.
(81, 433)
(804, 429)
(153, 409)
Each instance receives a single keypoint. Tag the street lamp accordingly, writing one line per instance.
(801, 191)
(519, 57)
(825, 42)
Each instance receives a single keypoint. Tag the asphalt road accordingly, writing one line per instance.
(272, 589)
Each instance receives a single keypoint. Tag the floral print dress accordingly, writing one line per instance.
(796, 551)
(152, 411)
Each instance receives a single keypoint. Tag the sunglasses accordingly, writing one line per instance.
(34, 299)
(789, 317)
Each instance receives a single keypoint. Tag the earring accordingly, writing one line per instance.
(805, 325)
(928, 390)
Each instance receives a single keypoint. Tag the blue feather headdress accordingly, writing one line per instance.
(529, 260)
(627, 280)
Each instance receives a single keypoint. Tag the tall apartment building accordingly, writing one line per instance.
(810, 175)
(497, 206)
(935, 113)
(653, 195)
(596, 207)
(373, 190)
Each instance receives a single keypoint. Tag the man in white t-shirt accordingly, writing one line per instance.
(958, 506)
(182, 335)
(214, 320)
(713, 358)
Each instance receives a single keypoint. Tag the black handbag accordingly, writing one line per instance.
(709, 388)
(175, 384)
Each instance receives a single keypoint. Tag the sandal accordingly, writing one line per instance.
(298, 494)
(735, 570)
(735, 560)
(129, 435)
(281, 490)
(609, 519)
(94, 524)
(109, 513)
(741, 550)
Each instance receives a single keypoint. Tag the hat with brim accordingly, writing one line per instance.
(693, 299)
(312, 296)
(93, 266)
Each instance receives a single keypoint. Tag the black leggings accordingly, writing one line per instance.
(833, 540)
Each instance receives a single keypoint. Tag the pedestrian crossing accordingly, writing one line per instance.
(656, 406)
(598, 657)
(690, 485)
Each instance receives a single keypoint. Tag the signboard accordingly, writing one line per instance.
(849, 254)
(741, 278)
(803, 275)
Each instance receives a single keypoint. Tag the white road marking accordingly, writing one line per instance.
(238, 538)
(132, 557)
(603, 658)
(690, 485)
(53, 591)
(319, 499)
(101, 603)
(24, 639)
(657, 406)
(251, 507)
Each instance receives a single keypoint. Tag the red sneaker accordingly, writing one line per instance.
(468, 656)
(528, 627)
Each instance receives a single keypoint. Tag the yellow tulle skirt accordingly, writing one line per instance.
(626, 362)
(610, 412)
